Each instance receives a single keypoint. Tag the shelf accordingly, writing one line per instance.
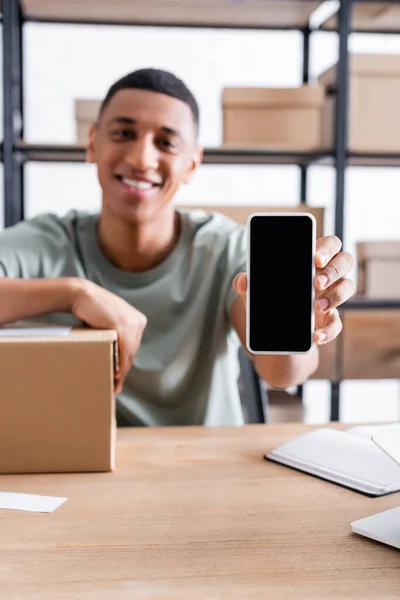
(280, 14)
(373, 159)
(370, 17)
(52, 153)
(226, 156)
(223, 156)
(261, 156)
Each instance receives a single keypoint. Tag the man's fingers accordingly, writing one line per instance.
(129, 339)
(119, 379)
(127, 367)
(337, 268)
(239, 284)
(118, 386)
(335, 295)
(126, 360)
(332, 328)
(326, 248)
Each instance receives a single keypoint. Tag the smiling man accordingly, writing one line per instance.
(171, 283)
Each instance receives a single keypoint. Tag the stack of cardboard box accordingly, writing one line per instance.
(288, 119)
(86, 113)
(379, 269)
(374, 99)
(303, 118)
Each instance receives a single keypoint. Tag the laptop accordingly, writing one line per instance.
(383, 527)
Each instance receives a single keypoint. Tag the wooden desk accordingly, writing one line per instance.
(191, 514)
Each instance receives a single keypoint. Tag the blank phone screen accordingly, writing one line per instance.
(281, 283)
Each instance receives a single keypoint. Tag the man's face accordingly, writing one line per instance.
(145, 147)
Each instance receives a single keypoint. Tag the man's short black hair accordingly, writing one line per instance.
(155, 80)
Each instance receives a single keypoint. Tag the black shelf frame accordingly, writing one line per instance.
(13, 111)
(223, 156)
(15, 154)
(220, 156)
(178, 25)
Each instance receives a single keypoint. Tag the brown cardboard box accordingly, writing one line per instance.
(379, 269)
(57, 407)
(240, 213)
(374, 99)
(288, 119)
(371, 344)
(86, 113)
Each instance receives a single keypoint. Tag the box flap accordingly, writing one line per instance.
(78, 335)
(378, 65)
(87, 110)
(385, 249)
(237, 97)
(375, 64)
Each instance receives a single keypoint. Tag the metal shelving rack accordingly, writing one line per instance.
(16, 153)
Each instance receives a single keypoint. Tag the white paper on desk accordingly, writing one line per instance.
(30, 502)
(389, 443)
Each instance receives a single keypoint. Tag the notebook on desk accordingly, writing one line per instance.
(349, 458)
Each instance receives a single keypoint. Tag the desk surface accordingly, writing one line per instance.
(195, 513)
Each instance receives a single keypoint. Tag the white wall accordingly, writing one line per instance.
(66, 62)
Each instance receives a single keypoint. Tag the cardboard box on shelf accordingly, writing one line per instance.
(240, 213)
(57, 406)
(86, 113)
(371, 344)
(285, 119)
(379, 269)
(374, 98)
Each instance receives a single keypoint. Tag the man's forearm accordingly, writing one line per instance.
(283, 371)
(26, 298)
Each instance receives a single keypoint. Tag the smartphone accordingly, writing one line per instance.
(280, 284)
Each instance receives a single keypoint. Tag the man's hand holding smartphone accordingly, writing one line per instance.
(295, 285)
(332, 288)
